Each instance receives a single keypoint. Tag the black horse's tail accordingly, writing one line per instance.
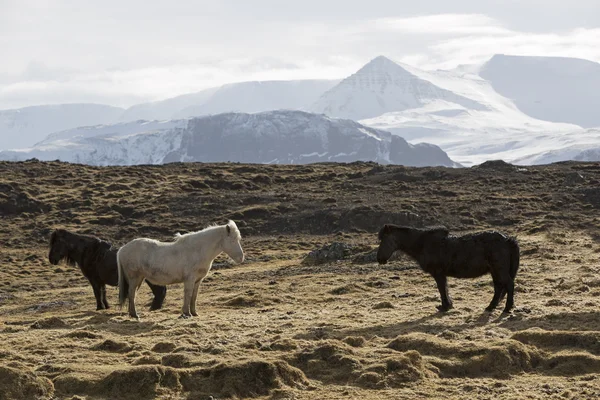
(123, 284)
(514, 257)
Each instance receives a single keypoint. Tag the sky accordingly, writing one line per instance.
(126, 52)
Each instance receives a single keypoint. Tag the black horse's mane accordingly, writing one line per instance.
(94, 244)
(438, 229)
(100, 248)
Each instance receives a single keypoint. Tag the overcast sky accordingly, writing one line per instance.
(130, 51)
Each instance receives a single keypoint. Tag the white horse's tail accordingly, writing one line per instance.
(123, 284)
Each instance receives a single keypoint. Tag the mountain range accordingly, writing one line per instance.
(516, 108)
(272, 137)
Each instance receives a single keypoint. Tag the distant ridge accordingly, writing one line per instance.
(556, 89)
(272, 137)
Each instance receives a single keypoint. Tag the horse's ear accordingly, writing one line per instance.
(383, 231)
(228, 230)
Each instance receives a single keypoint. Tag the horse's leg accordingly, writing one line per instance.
(498, 291)
(510, 292)
(97, 294)
(502, 293)
(103, 296)
(442, 284)
(159, 295)
(134, 284)
(194, 297)
(188, 291)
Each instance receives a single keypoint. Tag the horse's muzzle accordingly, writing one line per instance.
(382, 261)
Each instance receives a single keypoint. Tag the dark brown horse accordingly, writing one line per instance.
(97, 260)
(467, 256)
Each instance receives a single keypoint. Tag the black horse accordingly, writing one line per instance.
(467, 256)
(97, 260)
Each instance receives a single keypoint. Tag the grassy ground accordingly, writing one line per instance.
(279, 328)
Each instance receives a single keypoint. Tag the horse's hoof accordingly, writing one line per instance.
(443, 308)
(489, 309)
(505, 311)
(134, 316)
(194, 314)
(184, 316)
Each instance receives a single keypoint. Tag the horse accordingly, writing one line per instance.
(469, 256)
(97, 260)
(187, 259)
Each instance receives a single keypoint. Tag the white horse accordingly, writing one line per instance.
(188, 259)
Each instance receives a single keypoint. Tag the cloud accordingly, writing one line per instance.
(443, 24)
(578, 43)
(91, 55)
(127, 87)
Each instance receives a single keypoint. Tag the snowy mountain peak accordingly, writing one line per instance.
(382, 64)
(383, 86)
(378, 74)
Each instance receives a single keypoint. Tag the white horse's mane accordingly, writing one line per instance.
(236, 232)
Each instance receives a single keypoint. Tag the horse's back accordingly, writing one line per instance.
(144, 252)
(137, 247)
(159, 262)
(476, 254)
(98, 261)
(484, 239)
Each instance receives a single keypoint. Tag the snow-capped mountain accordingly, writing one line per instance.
(382, 86)
(470, 136)
(139, 142)
(294, 137)
(25, 126)
(252, 97)
(114, 130)
(166, 109)
(235, 97)
(557, 89)
(579, 146)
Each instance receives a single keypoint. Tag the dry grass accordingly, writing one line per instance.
(278, 328)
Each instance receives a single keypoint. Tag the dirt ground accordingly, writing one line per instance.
(280, 327)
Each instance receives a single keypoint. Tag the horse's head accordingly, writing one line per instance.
(58, 247)
(232, 243)
(387, 243)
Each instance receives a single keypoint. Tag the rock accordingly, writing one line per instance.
(332, 252)
(496, 165)
(573, 178)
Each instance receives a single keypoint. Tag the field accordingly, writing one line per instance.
(286, 326)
